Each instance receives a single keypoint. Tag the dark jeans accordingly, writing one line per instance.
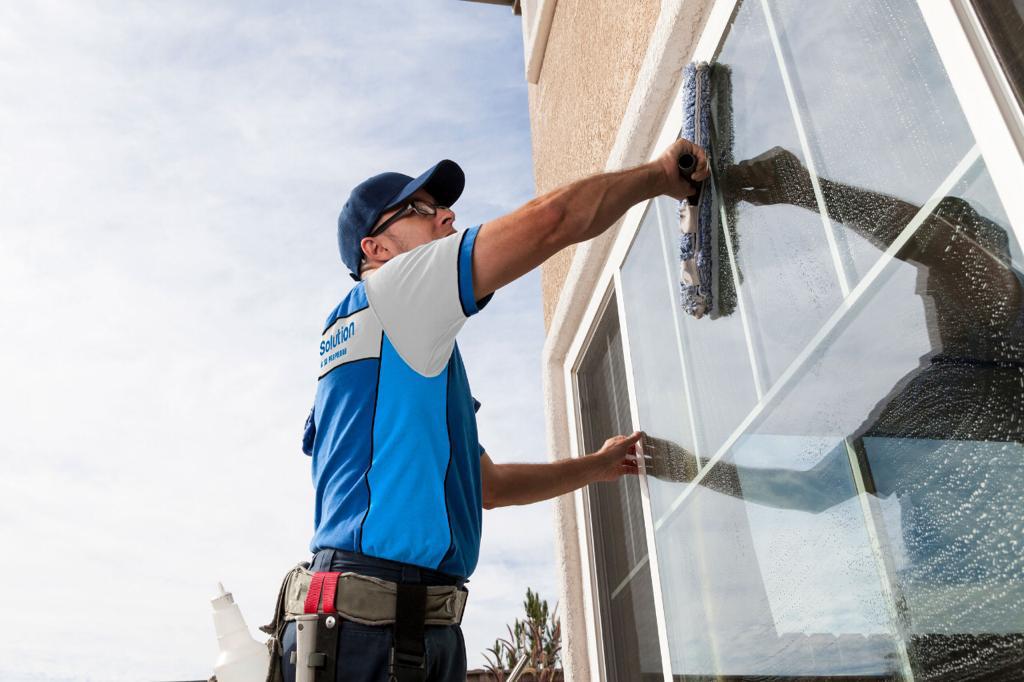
(363, 649)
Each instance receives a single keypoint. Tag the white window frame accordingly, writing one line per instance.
(991, 109)
(595, 639)
(959, 53)
(612, 286)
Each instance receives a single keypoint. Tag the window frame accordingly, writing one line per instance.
(596, 309)
(1006, 168)
(581, 499)
(988, 104)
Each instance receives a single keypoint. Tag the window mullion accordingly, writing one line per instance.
(886, 580)
(805, 146)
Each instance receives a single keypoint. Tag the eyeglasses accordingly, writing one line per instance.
(417, 206)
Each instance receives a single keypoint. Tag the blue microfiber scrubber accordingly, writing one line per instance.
(698, 248)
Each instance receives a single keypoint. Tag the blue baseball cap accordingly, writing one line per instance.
(381, 193)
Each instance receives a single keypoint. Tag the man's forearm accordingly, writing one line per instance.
(514, 244)
(588, 207)
(528, 483)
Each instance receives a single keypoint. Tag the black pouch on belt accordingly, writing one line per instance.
(408, 651)
(316, 646)
(325, 660)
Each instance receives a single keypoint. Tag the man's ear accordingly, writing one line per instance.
(372, 249)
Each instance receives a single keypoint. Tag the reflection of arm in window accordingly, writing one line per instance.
(954, 242)
(877, 217)
(778, 177)
(821, 487)
(964, 252)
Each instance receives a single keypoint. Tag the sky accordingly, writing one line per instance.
(170, 178)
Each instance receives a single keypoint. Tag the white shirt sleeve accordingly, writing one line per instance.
(424, 296)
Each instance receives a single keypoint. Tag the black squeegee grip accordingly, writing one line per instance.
(688, 164)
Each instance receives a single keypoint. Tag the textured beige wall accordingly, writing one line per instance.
(593, 54)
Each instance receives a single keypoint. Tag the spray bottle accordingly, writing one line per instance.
(241, 658)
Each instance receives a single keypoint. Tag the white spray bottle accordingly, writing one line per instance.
(241, 658)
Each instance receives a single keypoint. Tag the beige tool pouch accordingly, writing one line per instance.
(363, 599)
(371, 601)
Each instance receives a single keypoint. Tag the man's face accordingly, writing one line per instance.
(412, 229)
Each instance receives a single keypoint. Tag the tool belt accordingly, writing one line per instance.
(317, 600)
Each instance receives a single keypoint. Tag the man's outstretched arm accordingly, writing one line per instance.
(507, 484)
(515, 244)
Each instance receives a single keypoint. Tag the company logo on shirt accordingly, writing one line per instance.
(333, 345)
(350, 339)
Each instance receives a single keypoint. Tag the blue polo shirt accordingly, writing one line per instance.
(392, 433)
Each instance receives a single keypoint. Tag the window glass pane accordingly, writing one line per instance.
(786, 271)
(630, 609)
(763, 587)
(918, 392)
(651, 301)
(878, 110)
(624, 592)
(717, 361)
(945, 444)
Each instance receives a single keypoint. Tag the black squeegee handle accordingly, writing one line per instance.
(688, 164)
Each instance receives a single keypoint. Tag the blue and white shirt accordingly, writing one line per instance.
(396, 459)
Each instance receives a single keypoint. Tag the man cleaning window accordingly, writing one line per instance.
(400, 476)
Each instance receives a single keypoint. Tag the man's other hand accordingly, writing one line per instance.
(617, 457)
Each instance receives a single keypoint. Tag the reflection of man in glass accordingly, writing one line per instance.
(946, 440)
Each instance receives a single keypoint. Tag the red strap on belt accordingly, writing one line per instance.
(325, 583)
(313, 596)
(330, 589)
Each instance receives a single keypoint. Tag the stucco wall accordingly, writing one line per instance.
(593, 54)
